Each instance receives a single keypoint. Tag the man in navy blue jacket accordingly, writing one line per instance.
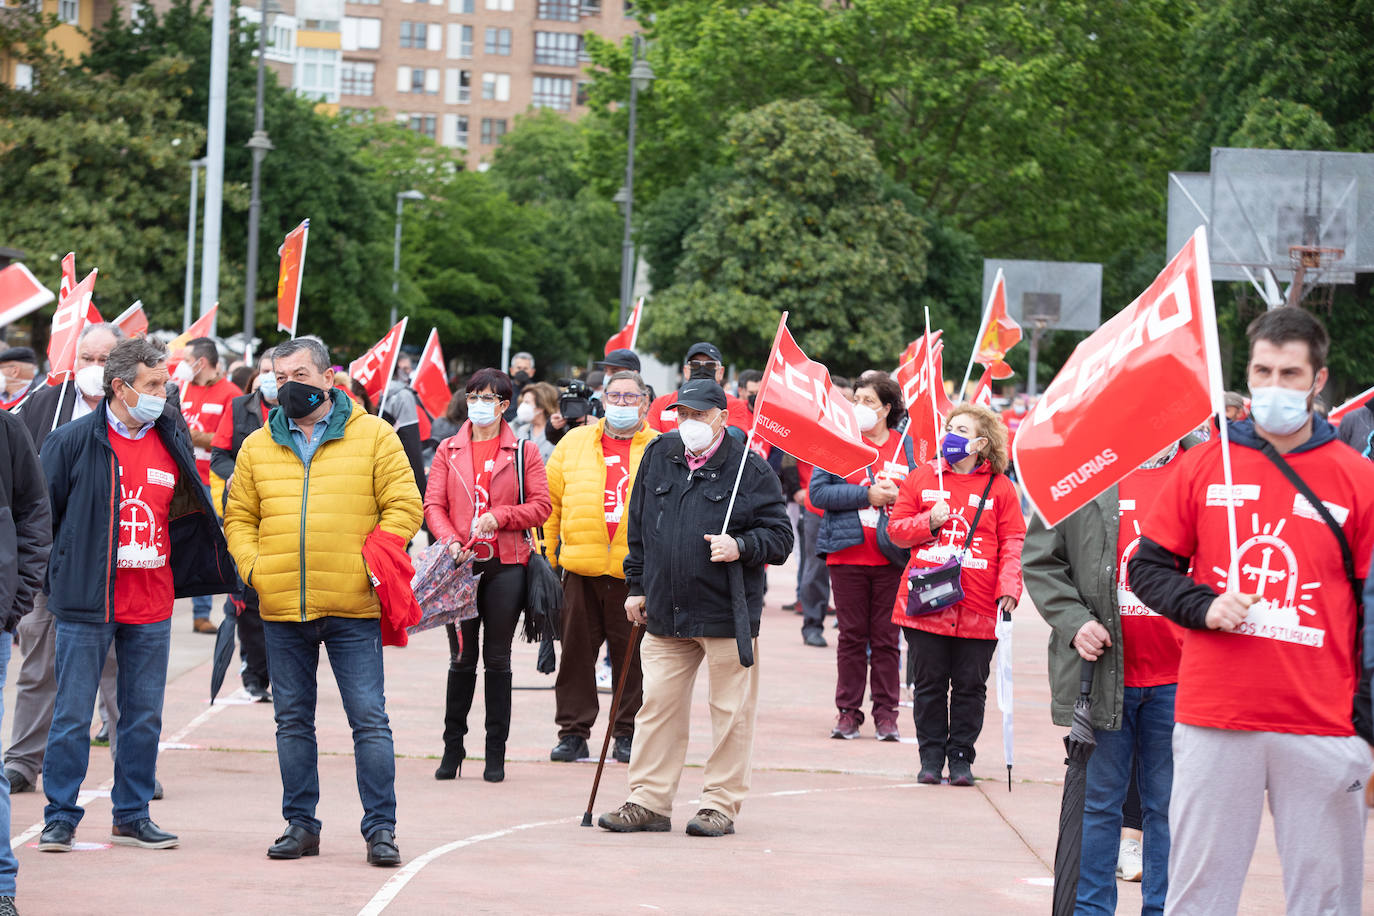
(133, 529)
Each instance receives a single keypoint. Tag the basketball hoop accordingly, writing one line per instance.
(1313, 258)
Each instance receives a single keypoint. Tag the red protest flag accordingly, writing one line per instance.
(914, 376)
(133, 321)
(72, 315)
(374, 368)
(1000, 332)
(201, 327)
(982, 393)
(68, 283)
(1142, 381)
(626, 337)
(800, 411)
(20, 293)
(430, 380)
(292, 253)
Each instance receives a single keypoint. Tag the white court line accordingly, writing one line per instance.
(103, 790)
(397, 882)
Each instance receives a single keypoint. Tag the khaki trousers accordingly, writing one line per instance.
(663, 725)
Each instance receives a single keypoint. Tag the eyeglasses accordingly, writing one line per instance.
(622, 398)
(484, 398)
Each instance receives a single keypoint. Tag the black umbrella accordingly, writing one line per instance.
(224, 653)
(1079, 744)
(744, 639)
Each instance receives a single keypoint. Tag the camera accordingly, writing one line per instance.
(576, 401)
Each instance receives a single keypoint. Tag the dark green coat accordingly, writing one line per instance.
(1070, 572)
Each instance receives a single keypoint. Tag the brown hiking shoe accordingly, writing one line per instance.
(632, 818)
(710, 822)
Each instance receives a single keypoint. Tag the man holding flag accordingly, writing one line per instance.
(684, 532)
(1270, 668)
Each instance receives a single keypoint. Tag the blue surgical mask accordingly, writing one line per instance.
(955, 448)
(622, 416)
(482, 413)
(267, 386)
(148, 408)
(1280, 411)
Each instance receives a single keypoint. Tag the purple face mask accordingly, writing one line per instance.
(954, 448)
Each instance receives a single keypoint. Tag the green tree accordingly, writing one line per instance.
(801, 225)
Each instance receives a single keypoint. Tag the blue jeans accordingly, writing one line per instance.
(1147, 726)
(141, 653)
(200, 607)
(9, 866)
(355, 655)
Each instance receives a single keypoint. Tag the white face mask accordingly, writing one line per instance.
(91, 381)
(867, 417)
(524, 413)
(696, 434)
(184, 372)
(1281, 411)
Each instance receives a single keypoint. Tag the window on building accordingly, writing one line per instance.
(317, 73)
(415, 34)
(498, 42)
(493, 129)
(559, 10)
(460, 7)
(582, 94)
(423, 124)
(458, 87)
(417, 80)
(361, 33)
(358, 77)
(496, 87)
(557, 49)
(69, 11)
(366, 2)
(137, 13)
(629, 9)
(554, 92)
(459, 41)
(460, 131)
(591, 7)
(503, 6)
(23, 76)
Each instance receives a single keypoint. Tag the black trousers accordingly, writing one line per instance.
(500, 599)
(951, 691)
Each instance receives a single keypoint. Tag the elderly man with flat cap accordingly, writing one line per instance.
(679, 573)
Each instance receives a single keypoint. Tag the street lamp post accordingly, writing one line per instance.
(260, 145)
(196, 166)
(641, 76)
(401, 198)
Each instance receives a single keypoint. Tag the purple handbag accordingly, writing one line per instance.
(934, 588)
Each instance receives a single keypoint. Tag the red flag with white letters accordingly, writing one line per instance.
(1000, 333)
(292, 254)
(20, 293)
(626, 337)
(982, 392)
(1142, 381)
(374, 368)
(800, 411)
(133, 321)
(430, 380)
(72, 315)
(912, 376)
(64, 289)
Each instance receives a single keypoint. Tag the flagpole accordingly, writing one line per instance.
(749, 441)
(1211, 338)
(982, 326)
(934, 409)
(638, 316)
(391, 370)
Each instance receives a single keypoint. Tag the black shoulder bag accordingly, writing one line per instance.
(937, 587)
(543, 587)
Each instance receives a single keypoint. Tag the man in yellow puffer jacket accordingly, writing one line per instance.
(307, 490)
(591, 474)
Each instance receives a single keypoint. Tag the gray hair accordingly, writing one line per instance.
(632, 376)
(113, 329)
(269, 354)
(126, 358)
(319, 353)
(523, 355)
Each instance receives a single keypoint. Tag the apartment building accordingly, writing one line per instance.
(75, 18)
(461, 70)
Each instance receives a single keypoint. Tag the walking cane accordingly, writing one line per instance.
(610, 722)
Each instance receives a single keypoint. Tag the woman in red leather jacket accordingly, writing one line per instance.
(473, 496)
(953, 646)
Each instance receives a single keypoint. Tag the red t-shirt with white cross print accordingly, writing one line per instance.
(144, 590)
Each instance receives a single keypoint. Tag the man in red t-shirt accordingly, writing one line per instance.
(1271, 665)
(205, 398)
(1076, 573)
(703, 361)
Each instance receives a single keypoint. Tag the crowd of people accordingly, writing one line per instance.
(132, 483)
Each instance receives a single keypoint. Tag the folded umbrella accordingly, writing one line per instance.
(224, 653)
(1079, 745)
(446, 591)
(1004, 689)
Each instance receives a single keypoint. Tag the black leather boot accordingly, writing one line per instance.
(497, 686)
(461, 685)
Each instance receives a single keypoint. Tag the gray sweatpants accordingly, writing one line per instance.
(1316, 795)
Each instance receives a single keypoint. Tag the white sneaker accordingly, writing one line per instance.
(1129, 866)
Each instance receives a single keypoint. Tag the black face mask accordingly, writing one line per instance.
(299, 399)
(521, 378)
(752, 399)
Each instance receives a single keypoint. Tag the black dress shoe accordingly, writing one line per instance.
(157, 790)
(382, 849)
(102, 737)
(295, 842)
(18, 781)
(56, 837)
(144, 834)
(623, 745)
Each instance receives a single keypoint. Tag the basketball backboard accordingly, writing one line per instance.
(1063, 295)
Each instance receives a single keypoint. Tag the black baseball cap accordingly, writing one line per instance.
(621, 359)
(704, 348)
(700, 394)
(19, 355)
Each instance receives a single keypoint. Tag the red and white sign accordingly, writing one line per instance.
(292, 253)
(133, 321)
(68, 283)
(374, 368)
(201, 327)
(1334, 416)
(1142, 381)
(430, 380)
(800, 411)
(626, 337)
(20, 293)
(72, 315)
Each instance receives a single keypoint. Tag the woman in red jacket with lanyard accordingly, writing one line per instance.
(953, 646)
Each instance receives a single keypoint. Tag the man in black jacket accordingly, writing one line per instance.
(679, 575)
(25, 537)
(134, 528)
